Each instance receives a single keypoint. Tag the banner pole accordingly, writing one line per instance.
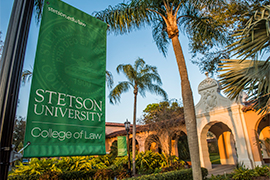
(10, 75)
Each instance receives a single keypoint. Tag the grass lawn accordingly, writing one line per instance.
(214, 158)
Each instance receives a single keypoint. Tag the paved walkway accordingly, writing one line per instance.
(220, 169)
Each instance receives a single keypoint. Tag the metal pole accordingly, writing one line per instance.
(128, 151)
(10, 75)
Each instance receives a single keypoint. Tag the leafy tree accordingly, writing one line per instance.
(19, 131)
(233, 15)
(161, 118)
(157, 112)
(141, 78)
(166, 17)
(253, 38)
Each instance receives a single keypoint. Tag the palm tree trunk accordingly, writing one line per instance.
(134, 135)
(189, 111)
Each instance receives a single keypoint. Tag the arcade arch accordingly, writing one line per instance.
(179, 146)
(263, 133)
(226, 143)
(152, 143)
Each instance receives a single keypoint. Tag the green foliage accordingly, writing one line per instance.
(36, 167)
(18, 132)
(65, 164)
(149, 162)
(242, 173)
(173, 175)
(263, 171)
(183, 150)
(141, 78)
(166, 110)
(99, 167)
(221, 177)
(253, 38)
(249, 76)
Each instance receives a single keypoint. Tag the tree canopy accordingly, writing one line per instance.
(249, 76)
(234, 15)
(166, 111)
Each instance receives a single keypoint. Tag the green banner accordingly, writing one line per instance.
(66, 112)
(122, 145)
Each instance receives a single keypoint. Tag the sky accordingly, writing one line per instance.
(121, 49)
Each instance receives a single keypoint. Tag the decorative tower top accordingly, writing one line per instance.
(208, 83)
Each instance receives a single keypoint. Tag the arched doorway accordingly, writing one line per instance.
(152, 143)
(263, 133)
(179, 145)
(212, 143)
(226, 144)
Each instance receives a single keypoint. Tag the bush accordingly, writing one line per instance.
(174, 166)
(149, 162)
(185, 174)
(221, 177)
(263, 171)
(83, 167)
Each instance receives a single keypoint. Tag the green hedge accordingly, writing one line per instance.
(56, 175)
(185, 174)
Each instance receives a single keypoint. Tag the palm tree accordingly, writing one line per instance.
(254, 37)
(165, 17)
(140, 78)
(250, 76)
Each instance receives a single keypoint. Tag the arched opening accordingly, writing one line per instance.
(182, 146)
(212, 143)
(263, 131)
(225, 144)
(152, 143)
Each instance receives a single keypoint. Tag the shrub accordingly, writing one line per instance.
(185, 174)
(263, 171)
(242, 173)
(149, 162)
(221, 177)
(174, 166)
(77, 175)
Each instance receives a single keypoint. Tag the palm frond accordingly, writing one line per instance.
(160, 36)
(203, 30)
(252, 77)
(116, 92)
(151, 78)
(124, 18)
(139, 64)
(109, 79)
(153, 88)
(254, 39)
(26, 76)
(128, 71)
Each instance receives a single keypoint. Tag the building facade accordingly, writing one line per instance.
(242, 134)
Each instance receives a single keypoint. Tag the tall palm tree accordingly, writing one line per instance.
(140, 78)
(165, 17)
(250, 76)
